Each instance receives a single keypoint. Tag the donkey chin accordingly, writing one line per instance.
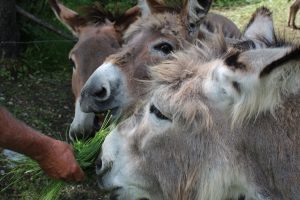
(84, 125)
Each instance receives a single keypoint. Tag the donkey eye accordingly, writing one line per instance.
(164, 47)
(157, 113)
(192, 25)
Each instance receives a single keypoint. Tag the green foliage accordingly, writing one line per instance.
(53, 191)
(44, 51)
(8, 68)
(119, 6)
(86, 152)
(230, 3)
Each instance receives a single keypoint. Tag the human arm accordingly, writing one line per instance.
(54, 157)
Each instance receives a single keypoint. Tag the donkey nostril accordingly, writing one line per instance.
(98, 164)
(101, 93)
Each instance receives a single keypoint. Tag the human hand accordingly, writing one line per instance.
(58, 162)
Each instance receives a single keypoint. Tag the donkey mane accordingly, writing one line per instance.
(97, 14)
(188, 60)
(161, 6)
(185, 64)
(157, 22)
(266, 97)
(178, 77)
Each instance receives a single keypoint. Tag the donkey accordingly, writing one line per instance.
(161, 30)
(99, 35)
(221, 123)
(293, 13)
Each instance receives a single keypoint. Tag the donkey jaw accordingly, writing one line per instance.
(84, 125)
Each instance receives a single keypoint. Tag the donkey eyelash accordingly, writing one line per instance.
(236, 86)
(157, 113)
(164, 47)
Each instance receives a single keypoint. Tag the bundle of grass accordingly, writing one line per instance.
(25, 169)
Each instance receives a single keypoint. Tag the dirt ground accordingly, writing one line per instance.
(44, 101)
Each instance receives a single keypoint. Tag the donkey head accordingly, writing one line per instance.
(162, 30)
(145, 157)
(99, 34)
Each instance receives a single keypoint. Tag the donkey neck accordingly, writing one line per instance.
(228, 176)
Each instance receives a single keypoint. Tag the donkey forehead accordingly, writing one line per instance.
(166, 23)
(97, 31)
(184, 102)
(141, 42)
(94, 39)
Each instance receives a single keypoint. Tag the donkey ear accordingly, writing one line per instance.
(289, 57)
(261, 27)
(196, 10)
(68, 17)
(264, 61)
(128, 18)
(149, 6)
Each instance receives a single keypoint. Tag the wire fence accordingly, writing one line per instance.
(6, 43)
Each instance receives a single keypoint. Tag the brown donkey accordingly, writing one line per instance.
(161, 30)
(182, 145)
(99, 35)
(293, 13)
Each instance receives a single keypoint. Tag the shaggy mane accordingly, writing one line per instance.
(154, 22)
(164, 11)
(177, 82)
(186, 65)
(97, 14)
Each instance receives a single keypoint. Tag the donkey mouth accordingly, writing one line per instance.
(100, 117)
(98, 120)
(114, 112)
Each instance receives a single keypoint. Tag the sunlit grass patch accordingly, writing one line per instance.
(241, 14)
